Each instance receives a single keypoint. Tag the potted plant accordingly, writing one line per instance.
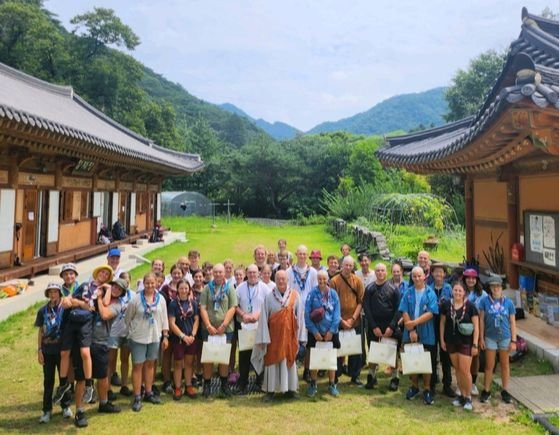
(495, 257)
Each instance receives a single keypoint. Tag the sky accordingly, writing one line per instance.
(304, 62)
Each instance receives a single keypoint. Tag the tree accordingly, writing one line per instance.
(548, 13)
(102, 27)
(470, 87)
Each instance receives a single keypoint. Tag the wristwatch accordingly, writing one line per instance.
(474, 345)
(513, 341)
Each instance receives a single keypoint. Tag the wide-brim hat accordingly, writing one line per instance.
(316, 254)
(439, 265)
(53, 285)
(100, 268)
(121, 283)
(494, 280)
(69, 266)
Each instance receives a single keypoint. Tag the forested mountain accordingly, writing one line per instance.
(278, 130)
(401, 112)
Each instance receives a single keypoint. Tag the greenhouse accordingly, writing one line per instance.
(185, 204)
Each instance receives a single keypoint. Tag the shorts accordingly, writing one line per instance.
(77, 334)
(461, 348)
(181, 349)
(502, 344)
(228, 335)
(311, 342)
(143, 352)
(99, 360)
(117, 342)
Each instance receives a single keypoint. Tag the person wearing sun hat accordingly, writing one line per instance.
(49, 321)
(69, 274)
(316, 258)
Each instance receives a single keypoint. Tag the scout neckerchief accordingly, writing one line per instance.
(67, 291)
(149, 308)
(325, 299)
(300, 278)
(453, 312)
(218, 296)
(52, 319)
(189, 311)
(282, 299)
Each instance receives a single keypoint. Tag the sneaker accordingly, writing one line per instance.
(45, 418)
(167, 388)
(311, 390)
(394, 384)
(88, 394)
(485, 396)
(60, 391)
(333, 390)
(356, 381)
(191, 392)
(475, 391)
(207, 390)
(155, 390)
(428, 397)
(67, 413)
(459, 401)
(225, 390)
(115, 380)
(80, 419)
(108, 408)
(449, 392)
(153, 399)
(468, 404)
(111, 396)
(137, 404)
(412, 393)
(505, 395)
(371, 382)
(177, 394)
(125, 391)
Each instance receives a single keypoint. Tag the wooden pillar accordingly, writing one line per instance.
(513, 227)
(469, 206)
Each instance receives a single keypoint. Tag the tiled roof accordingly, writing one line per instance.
(31, 101)
(536, 49)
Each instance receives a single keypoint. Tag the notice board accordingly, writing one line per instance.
(541, 238)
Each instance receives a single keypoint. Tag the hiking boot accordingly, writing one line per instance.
(125, 391)
(167, 387)
(459, 401)
(394, 384)
(67, 413)
(177, 394)
(333, 390)
(45, 418)
(475, 391)
(356, 381)
(155, 390)
(108, 408)
(137, 404)
(207, 390)
(191, 392)
(428, 397)
(115, 380)
(449, 392)
(225, 390)
(152, 398)
(468, 406)
(371, 382)
(505, 395)
(88, 394)
(311, 390)
(80, 419)
(60, 391)
(412, 393)
(111, 396)
(485, 396)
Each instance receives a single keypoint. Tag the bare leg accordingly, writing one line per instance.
(86, 360)
(103, 389)
(223, 370)
(80, 388)
(112, 362)
(137, 372)
(208, 370)
(124, 364)
(166, 364)
(489, 366)
(177, 374)
(188, 360)
(64, 363)
(464, 366)
(505, 368)
(148, 380)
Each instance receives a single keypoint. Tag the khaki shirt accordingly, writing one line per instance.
(349, 298)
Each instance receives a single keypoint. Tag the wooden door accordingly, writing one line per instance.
(29, 223)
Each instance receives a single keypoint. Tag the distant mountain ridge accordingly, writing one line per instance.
(278, 130)
(401, 112)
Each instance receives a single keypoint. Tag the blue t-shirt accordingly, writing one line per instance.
(427, 304)
(496, 315)
(184, 314)
(444, 293)
(332, 311)
(474, 298)
(418, 296)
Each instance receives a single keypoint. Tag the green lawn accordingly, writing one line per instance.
(355, 411)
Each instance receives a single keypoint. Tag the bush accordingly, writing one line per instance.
(313, 219)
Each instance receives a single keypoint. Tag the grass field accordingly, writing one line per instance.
(355, 411)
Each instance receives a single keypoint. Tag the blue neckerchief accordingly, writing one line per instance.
(220, 295)
(149, 308)
(124, 300)
(52, 319)
(185, 313)
(301, 281)
(326, 301)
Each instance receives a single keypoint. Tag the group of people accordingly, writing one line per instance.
(289, 304)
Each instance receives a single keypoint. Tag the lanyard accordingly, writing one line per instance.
(249, 308)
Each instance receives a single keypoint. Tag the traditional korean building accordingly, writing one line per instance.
(65, 170)
(507, 155)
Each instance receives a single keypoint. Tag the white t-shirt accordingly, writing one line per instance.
(370, 278)
(251, 297)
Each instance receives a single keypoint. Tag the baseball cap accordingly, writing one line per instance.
(471, 273)
(114, 252)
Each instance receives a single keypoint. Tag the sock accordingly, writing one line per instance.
(103, 402)
(80, 409)
(138, 397)
(63, 380)
(89, 382)
(207, 382)
(474, 379)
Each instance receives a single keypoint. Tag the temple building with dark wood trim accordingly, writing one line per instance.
(65, 170)
(507, 155)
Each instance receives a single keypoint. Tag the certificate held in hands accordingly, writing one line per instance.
(247, 336)
(415, 360)
(350, 343)
(323, 357)
(382, 353)
(216, 350)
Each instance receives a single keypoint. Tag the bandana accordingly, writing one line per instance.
(189, 311)
(218, 296)
(301, 278)
(149, 309)
(52, 319)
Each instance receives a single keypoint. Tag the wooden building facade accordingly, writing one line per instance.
(507, 155)
(66, 169)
